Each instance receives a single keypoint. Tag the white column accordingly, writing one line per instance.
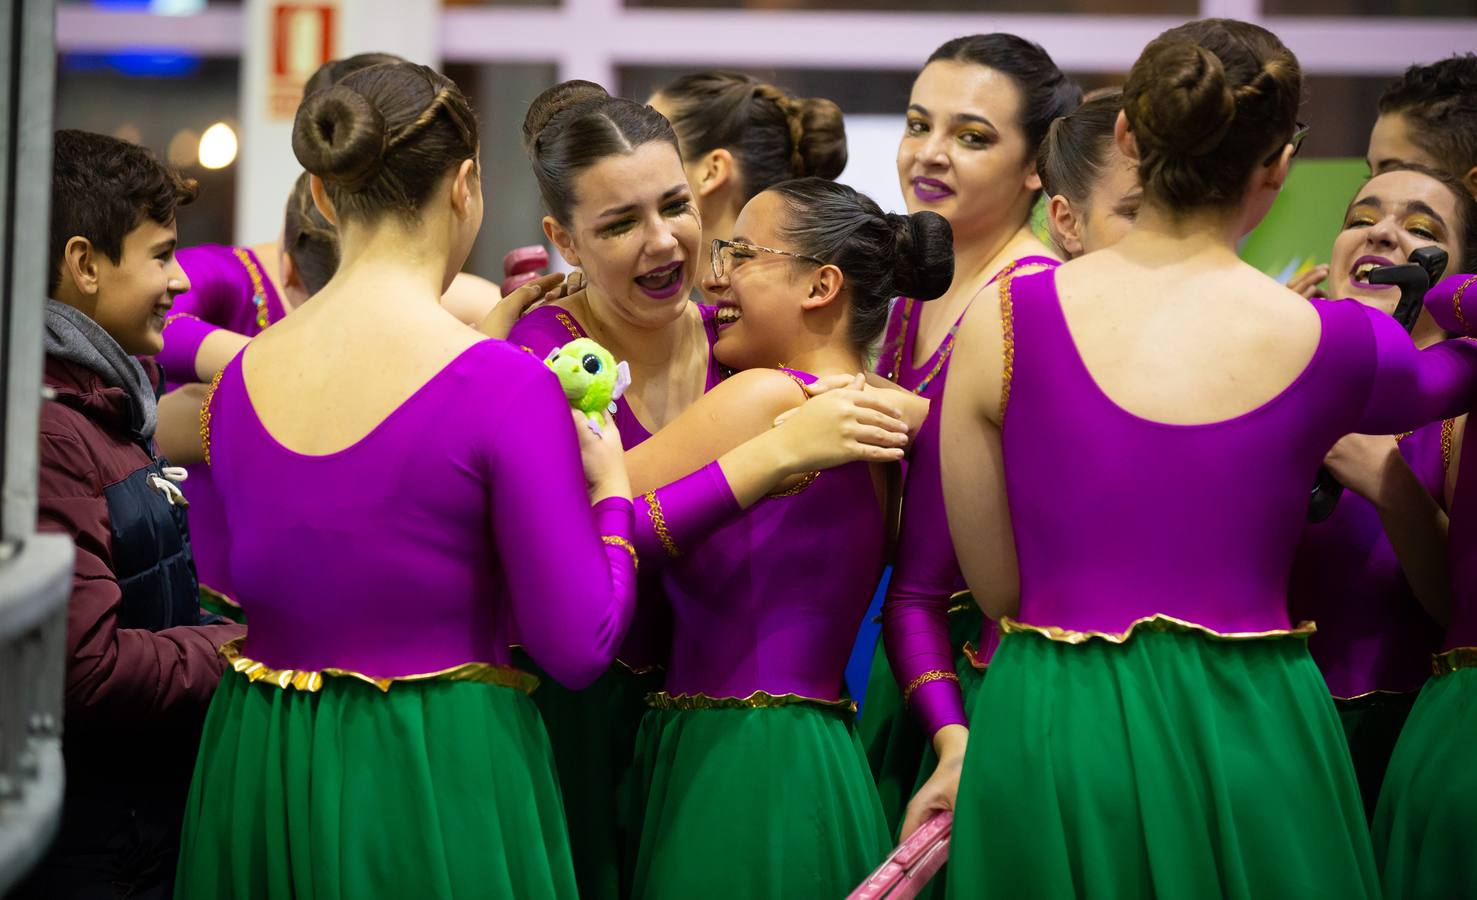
(266, 166)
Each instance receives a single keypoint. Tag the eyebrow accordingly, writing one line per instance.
(668, 194)
(1412, 206)
(958, 117)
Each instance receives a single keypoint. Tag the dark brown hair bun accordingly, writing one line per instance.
(1207, 103)
(339, 136)
(1187, 106)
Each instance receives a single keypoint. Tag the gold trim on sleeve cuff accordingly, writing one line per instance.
(928, 677)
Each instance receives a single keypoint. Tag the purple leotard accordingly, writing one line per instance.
(1118, 518)
(1372, 634)
(420, 547)
(925, 574)
(549, 327)
(1453, 304)
(223, 295)
(769, 599)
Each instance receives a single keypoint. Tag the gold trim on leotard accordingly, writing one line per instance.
(258, 290)
(568, 322)
(205, 414)
(1007, 338)
(1456, 304)
(659, 524)
(615, 540)
(306, 680)
(1453, 659)
(1157, 622)
(1448, 436)
(972, 654)
(928, 677)
(805, 481)
(756, 700)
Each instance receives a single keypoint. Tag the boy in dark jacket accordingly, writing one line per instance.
(140, 668)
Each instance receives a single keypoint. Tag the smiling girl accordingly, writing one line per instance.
(749, 775)
(620, 207)
(1372, 575)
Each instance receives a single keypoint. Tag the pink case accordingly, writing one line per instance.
(522, 265)
(909, 867)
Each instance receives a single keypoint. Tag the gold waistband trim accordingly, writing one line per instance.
(960, 601)
(1376, 694)
(306, 680)
(756, 700)
(972, 653)
(218, 597)
(1157, 622)
(1453, 659)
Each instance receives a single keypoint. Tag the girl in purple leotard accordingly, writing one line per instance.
(976, 114)
(621, 208)
(373, 739)
(748, 772)
(1129, 453)
(1423, 823)
(1372, 575)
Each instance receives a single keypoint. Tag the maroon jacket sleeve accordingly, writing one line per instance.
(116, 673)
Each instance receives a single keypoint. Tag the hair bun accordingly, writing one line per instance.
(562, 96)
(923, 254)
(1188, 106)
(818, 134)
(339, 136)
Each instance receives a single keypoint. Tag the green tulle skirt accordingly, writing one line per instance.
(898, 752)
(1425, 828)
(753, 803)
(1372, 725)
(1172, 765)
(432, 789)
(593, 734)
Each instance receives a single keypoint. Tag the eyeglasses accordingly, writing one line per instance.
(740, 250)
(1296, 141)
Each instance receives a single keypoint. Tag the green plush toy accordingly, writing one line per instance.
(591, 378)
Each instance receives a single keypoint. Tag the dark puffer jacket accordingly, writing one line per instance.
(140, 667)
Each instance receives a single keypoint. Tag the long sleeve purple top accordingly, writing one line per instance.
(1373, 634)
(925, 574)
(549, 327)
(1198, 523)
(459, 518)
(229, 290)
(770, 599)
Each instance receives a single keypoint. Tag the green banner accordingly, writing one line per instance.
(1298, 233)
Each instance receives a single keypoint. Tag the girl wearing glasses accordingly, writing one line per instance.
(748, 774)
(977, 113)
(620, 207)
(1157, 726)
(740, 135)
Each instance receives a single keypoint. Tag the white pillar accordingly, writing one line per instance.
(299, 30)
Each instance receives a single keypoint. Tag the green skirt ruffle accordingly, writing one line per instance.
(593, 735)
(1425, 828)
(432, 789)
(898, 752)
(218, 604)
(753, 803)
(1372, 725)
(1173, 765)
